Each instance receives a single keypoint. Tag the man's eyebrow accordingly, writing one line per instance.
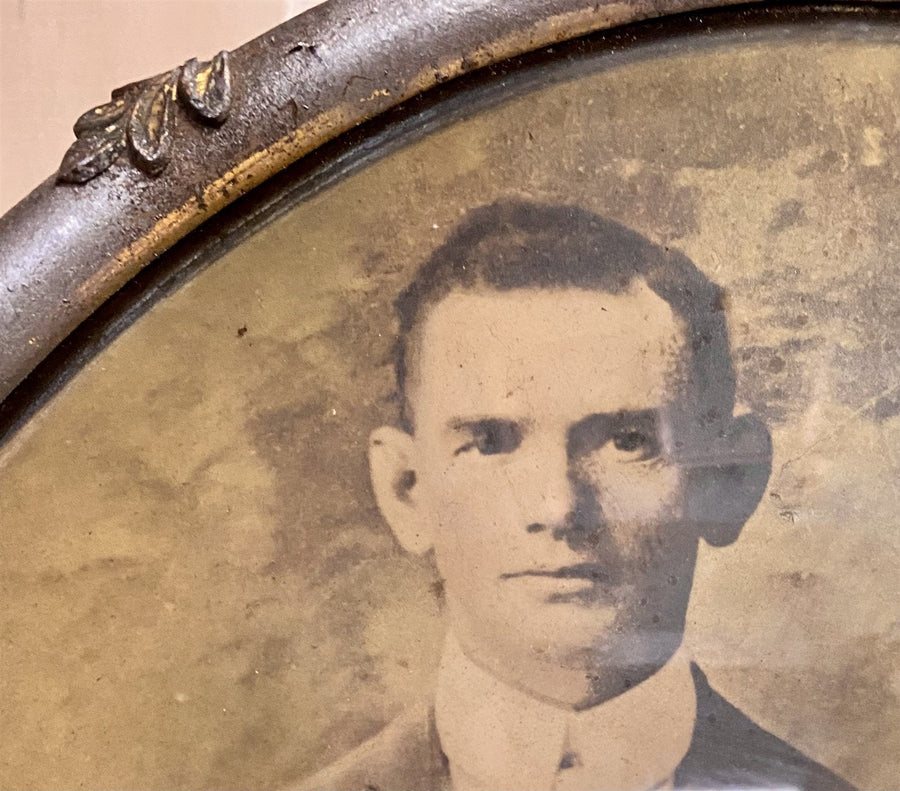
(467, 423)
(586, 430)
(650, 413)
(621, 416)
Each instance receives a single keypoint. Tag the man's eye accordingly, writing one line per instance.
(630, 440)
(491, 437)
(634, 440)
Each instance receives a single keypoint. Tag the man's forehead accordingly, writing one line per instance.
(566, 349)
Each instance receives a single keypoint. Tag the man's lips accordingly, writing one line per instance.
(586, 571)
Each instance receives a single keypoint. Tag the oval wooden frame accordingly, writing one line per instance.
(168, 153)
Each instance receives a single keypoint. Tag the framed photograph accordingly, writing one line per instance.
(464, 395)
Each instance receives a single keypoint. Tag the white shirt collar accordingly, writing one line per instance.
(498, 738)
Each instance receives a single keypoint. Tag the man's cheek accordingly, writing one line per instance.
(644, 544)
(465, 559)
(465, 494)
(638, 494)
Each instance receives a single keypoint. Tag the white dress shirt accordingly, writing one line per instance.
(497, 738)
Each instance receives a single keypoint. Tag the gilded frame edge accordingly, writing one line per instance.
(67, 247)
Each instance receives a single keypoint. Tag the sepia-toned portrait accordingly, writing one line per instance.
(566, 439)
(548, 442)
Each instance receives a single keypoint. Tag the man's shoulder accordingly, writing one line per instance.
(729, 750)
(405, 755)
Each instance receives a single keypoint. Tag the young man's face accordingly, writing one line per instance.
(543, 457)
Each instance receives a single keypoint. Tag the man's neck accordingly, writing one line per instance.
(496, 735)
(578, 679)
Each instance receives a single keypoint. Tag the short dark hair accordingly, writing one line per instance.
(515, 244)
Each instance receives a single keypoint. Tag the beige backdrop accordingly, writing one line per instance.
(197, 588)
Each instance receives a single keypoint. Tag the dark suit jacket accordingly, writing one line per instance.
(727, 750)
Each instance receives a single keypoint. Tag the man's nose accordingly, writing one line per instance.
(550, 492)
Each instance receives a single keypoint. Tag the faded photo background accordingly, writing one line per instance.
(197, 588)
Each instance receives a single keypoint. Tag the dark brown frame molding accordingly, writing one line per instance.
(168, 153)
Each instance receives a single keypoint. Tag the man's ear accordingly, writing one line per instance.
(394, 483)
(725, 487)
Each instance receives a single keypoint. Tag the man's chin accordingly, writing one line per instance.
(587, 630)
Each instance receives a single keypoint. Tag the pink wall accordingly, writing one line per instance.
(59, 58)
